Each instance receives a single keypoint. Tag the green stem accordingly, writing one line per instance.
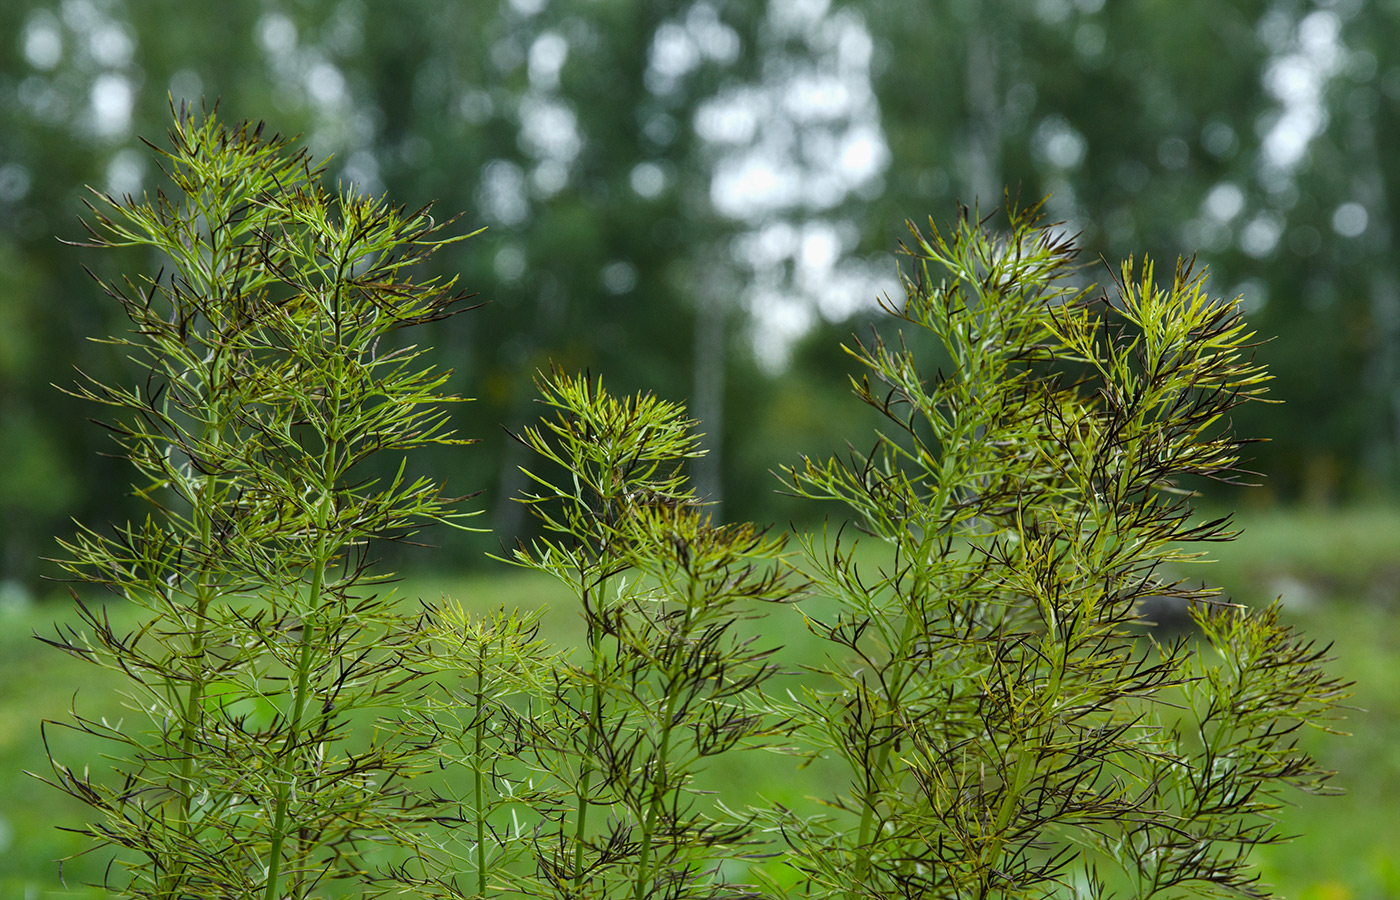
(279, 824)
(191, 717)
(663, 749)
(330, 451)
(675, 680)
(1025, 759)
(204, 595)
(299, 698)
(594, 730)
(877, 780)
(479, 790)
(1009, 801)
(585, 780)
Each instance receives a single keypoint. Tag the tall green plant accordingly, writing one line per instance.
(269, 433)
(981, 679)
(579, 776)
(1005, 728)
(615, 740)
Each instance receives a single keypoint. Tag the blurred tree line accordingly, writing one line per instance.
(702, 198)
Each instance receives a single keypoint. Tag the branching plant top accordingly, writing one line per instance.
(1007, 729)
(974, 707)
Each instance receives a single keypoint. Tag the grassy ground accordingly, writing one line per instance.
(1338, 575)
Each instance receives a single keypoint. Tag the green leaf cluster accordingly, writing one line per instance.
(999, 720)
(274, 382)
(1007, 728)
(666, 681)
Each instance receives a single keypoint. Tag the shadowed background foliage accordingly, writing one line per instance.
(702, 199)
(697, 197)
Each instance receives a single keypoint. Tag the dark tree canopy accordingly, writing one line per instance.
(680, 194)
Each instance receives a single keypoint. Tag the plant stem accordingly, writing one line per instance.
(204, 595)
(675, 680)
(877, 780)
(478, 787)
(299, 697)
(594, 732)
(663, 748)
(585, 779)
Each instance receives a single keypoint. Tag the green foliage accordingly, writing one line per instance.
(1002, 726)
(611, 744)
(273, 383)
(1005, 729)
(1141, 119)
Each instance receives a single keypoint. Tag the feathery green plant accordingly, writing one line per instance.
(1006, 729)
(491, 675)
(616, 739)
(275, 391)
(580, 775)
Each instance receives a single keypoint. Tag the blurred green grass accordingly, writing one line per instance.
(1338, 575)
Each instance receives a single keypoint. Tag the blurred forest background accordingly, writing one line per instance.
(703, 197)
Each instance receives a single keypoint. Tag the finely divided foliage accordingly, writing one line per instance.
(274, 381)
(1006, 731)
(978, 670)
(664, 682)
